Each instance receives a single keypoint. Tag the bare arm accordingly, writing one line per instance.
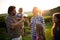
(11, 24)
(14, 25)
(18, 19)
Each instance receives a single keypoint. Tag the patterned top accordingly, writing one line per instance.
(34, 22)
(19, 15)
(12, 32)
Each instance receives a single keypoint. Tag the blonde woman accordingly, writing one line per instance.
(35, 20)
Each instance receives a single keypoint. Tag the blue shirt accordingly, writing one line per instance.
(34, 22)
(19, 15)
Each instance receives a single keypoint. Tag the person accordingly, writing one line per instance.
(40, 32)
(56, 27)
(20, 16)
(13, 26)
(34, 20)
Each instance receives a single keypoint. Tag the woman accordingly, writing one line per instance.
(34, 20)
(56, 27)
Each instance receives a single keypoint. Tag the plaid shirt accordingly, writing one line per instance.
(9, 21)
(34, 22)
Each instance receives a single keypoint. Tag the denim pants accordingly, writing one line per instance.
(33, 37)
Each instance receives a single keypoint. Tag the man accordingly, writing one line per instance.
(13, 26)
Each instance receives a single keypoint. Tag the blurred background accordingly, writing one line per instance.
(47, 8)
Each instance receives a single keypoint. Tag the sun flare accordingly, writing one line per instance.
(28, 5)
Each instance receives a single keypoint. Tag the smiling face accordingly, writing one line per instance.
(13, 12)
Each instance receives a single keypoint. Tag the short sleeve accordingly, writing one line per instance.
(8, 22)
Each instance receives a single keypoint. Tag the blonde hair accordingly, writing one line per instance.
(36, 8)
(40, 12)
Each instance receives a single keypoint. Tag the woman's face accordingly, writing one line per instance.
(54, 19)
(35, 11)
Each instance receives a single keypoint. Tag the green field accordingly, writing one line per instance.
(27, 36)
(48, 20)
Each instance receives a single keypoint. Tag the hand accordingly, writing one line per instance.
(27, 20)
(35, 28)
(22, 19)
(20, 24)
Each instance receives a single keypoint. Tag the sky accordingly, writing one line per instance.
(28, 5)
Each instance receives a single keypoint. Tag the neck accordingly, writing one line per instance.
(35, 16)
(12, 15)
(20, 12)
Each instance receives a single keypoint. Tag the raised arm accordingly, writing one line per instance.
(13, 25)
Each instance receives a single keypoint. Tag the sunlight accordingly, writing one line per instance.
(28, 5)
(25, 15)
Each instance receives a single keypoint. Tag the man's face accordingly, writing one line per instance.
(13, 12)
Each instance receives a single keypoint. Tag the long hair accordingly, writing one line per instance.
(56, 19)
(40, 12)
(40, 31)
(56, 23)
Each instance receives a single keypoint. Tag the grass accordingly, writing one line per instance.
(48, 31)
(27, 36)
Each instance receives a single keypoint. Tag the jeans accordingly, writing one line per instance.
(18, 38)
(33, 37)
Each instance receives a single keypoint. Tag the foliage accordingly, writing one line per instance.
(51, 11)
(48, 19)
(2, 21)
(27, 36)
(54, 10)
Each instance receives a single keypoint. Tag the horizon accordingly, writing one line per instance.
(28, 5)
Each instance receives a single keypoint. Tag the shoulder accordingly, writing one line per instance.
(32, 18)
(40, 17)
(7, 18)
